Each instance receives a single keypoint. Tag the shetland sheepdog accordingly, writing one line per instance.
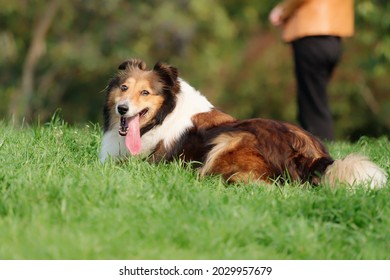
(159, 116)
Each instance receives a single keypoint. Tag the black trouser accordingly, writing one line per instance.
(315, 59)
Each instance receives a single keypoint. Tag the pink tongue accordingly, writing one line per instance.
(133, 138)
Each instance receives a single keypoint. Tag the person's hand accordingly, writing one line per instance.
(276, 16)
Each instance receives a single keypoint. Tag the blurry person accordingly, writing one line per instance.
(314, 28)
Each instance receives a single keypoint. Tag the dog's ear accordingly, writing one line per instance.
(168, 75)
(132, 63)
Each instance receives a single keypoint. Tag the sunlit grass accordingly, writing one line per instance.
(58, 202)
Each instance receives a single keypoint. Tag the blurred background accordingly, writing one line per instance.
(61, 54)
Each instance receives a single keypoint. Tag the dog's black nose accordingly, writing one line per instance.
(122, 109)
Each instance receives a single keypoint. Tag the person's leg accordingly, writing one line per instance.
(315, 59)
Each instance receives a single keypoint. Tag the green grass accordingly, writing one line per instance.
(58, 202)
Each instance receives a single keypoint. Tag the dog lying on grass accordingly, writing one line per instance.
(156, 114)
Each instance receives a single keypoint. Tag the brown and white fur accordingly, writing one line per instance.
(177, 121)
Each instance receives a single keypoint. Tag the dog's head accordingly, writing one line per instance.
(138, 93)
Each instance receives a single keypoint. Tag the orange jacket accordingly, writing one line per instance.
(317, 17)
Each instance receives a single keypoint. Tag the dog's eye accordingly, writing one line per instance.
(124, 87)
(145, 93)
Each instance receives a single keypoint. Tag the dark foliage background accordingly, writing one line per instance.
(60, 54)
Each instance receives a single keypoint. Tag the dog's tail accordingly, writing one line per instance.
(355, 170)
